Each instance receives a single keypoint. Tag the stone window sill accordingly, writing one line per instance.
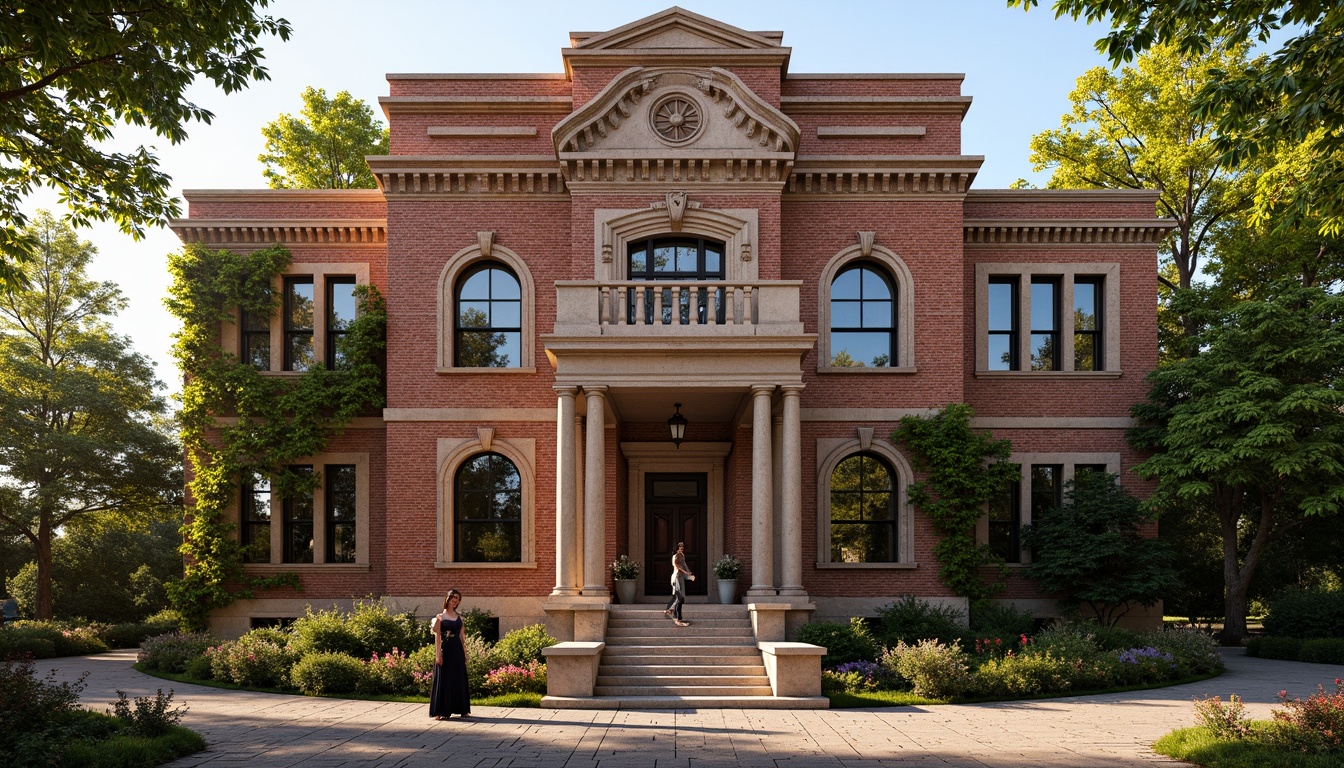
(867, 566)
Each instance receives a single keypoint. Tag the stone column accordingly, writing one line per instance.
(762, 530)
(776, 490)
(791, 487)
(566, 513)
(576, 539)
(595, 494)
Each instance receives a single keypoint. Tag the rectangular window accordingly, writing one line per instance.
(298, 522)
(340, 513)
(1047, 489)
(340, 314)
(1044, 324)
(255, 529)
(1003, 324)
(1081, 468)
(1005, 523)
(298, 323)
(254, 344)
(1087, 343)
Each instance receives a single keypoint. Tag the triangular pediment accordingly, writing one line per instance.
(675, 28)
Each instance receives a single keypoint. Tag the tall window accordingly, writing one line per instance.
(339, 480)
(1003, 324)
(1087, 340)
(489, 320)
(1047, 489)
(255, 529)
(863, 511)
(340, 314)
(487, 511)
(1005, 523)
(298, 522)
(681, 259)
(1045, 324)
(298, 323)
(863, 318)
(254, 347)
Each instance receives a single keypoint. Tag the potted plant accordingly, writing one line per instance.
(623, 573)
(727, 570)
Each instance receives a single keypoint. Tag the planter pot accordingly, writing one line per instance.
(625, 590)
(727, 591)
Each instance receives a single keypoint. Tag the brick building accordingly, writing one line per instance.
(679, 225)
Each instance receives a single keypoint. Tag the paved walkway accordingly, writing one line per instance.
(261, 730)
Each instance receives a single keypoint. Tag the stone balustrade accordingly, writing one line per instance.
(714, 307)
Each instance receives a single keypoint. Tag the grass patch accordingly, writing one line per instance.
(907, 699)
(1199, 746)
(514, 700)
(127, 751)
(879, 699)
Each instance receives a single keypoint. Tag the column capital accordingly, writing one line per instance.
(564, 390)
(762, 389)
(792, 390)
(595, 389)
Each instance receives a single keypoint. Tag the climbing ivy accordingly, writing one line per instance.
(271, 420)
(965, 469)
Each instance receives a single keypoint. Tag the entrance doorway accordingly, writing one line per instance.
(675, 508)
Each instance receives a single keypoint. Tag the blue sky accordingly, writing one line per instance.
(1019, 69)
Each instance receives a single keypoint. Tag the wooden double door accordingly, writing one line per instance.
(675, 509)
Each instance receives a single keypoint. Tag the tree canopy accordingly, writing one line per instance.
(73, 69)
(323, 148)
(83, 430)
(1290, 100)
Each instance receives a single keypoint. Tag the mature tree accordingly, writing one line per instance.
(1293, 97)
(71, 69)
(1252, 426)
(81, 431)
(1091, 550)
(323, 148)
(1135, 130)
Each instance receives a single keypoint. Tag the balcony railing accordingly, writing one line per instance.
(677, 307)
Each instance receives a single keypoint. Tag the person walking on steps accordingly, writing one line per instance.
(448, 693)
(680, 573)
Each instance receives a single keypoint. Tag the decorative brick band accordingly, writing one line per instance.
(677, 169)
(1065, 231)
(293, 232)
(878, 182)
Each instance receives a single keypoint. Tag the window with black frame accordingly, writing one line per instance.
(488, 322)
(255, 518)
(1087, 339)
(1045, 324)
(678, 259)
(1005, 523)
(254, 347)
(863, 318)
(298, 522)
(1002, 324)
(298, 323)
(487, 511)
(863, 511)
(340, 315)
(340, 512)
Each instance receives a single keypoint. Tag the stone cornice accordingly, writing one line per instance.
(437, 175)
(1064, 232)
(282, 195)
(328, 233)
(858, 177)
(875, 105)
(475, 105)
(705, 167)
(1060, 195)
(958, 76)
(476, 76)
(675, 57)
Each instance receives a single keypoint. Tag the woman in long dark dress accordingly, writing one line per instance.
(449, 695)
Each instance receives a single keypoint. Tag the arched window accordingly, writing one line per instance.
(488, 325)
(487, 510)
(681, 260)
(863, 511)
(863, 318)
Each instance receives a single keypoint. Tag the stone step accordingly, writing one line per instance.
(666, 652)
(681, 641)
(635, 634)
(685, 702)
(681, 690)
(663, 662)
(697, 670)
(663, 623)
(688, 679)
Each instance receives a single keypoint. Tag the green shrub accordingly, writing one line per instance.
(1067, 640)
(911, 619)
(40, 716)
(524, 645)
(1306, 614)
(321, 673)
(482, 658)
(1196, 652)
(392, 672)
(843, 642)
(325, 632)
(199, 667)
(379, 631)
(477, 621)
(65, 638)
(1313, 724)
(1025, 675)
(252, 661)
(1323, 650)
(23, 641)
(1286, 648)
(148, 716)
(1114, 638)
(933, 669)
(512, 678)
(422, 668)
(1001, 620)
(171, 652)
(1145, 665)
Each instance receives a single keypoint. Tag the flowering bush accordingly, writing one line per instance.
(319, 673)
(1025, 675)
(728, 568)
(172, 652)
(252, 661)
(1313, 724)
(933, 669)
(392, 672)
(624, 568)
(1144, 665)
(422, 668)
(512, 678)
(1226, 721)
(1195, 652)
(856, 677)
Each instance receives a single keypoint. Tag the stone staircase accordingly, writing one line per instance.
(650, 663)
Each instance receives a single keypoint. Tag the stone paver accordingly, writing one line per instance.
(258, 730)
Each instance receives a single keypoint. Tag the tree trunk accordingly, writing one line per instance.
(1237, 571)
(42, 610)
(1234, 605)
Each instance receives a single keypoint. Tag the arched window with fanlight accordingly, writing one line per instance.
(863, 331)
(487, 510)
(863, 513)
(488, 326)
(676, 259)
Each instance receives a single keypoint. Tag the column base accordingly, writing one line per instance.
(759, 591)
(792, 591)
(567, 592)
